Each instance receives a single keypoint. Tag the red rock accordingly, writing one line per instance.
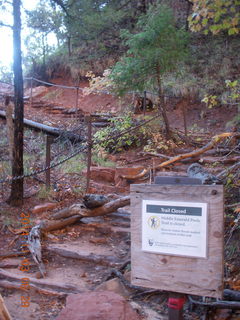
(44, 207)
(105, 189)
(101, 174)
(102, 305)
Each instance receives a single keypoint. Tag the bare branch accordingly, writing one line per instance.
(2, 24)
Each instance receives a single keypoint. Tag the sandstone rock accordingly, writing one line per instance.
(114, 285)
(102, 305)
(104, 189)
(44, 207)
(101, 174)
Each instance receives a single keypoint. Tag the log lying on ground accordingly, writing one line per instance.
(47, 225)
(67, 217)
(47, 129)
(78, 209)
(103, 260)
(18, 286)
(41, 284)
(215, 140)
(4, 314)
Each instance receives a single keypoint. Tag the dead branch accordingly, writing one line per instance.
(215, 140)
(225, 172)
(222, 160)
(78, 209)
(11, 255)
(34, 245)
(158, 155)
(58, 224)
(237, 204)
(104, 260)
(17, 285)
(67, 217)
(4, 314)
(41, 284)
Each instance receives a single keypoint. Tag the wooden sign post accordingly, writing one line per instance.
(177, 238)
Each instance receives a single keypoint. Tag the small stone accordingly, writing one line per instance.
(39, 275)
(113, 285)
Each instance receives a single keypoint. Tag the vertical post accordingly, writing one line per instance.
(144, 102)
(48, 160)
(184, 119)
(154, 169)
(175, 306)
(77, 95)
(31, 92)
(89, 160)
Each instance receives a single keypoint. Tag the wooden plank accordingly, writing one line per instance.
(196, 276)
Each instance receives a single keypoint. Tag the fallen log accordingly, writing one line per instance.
(4, 314)
(47, 226)
(104, 260)
(67, 217)
(158, 155)
(215, 140)
(17, 285)
(221, 160)
(78, 209)
(11, 255)
(47, 129)
(41, 284)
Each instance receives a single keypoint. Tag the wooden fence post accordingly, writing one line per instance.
(76, 104)
(144, 102)
(89, 160)
(31, 93)
(48, 160)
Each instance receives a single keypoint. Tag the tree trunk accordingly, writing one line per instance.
(69, 46)
(16, 197)
(162, 105)
(10, 126)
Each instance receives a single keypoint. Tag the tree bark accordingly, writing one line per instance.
(16, 197)
(10, 126)
(162, 105)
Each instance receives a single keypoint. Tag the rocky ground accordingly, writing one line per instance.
(91, 259)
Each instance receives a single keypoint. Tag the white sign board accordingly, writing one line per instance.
(174, 228)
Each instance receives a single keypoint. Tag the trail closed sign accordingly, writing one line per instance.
(174, 228)
(177, 238)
